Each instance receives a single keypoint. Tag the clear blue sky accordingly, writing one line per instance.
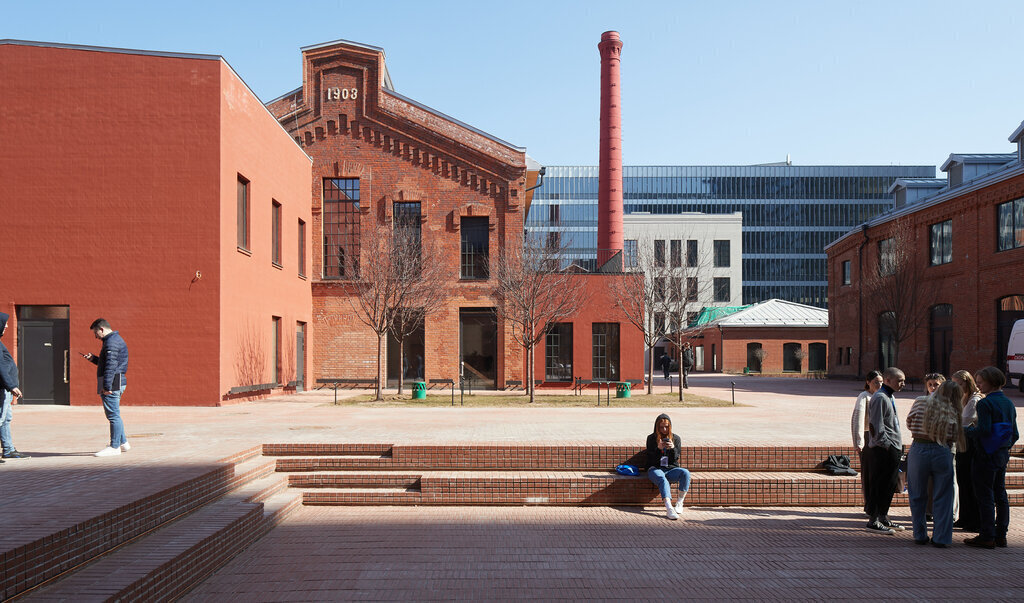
(704, 83)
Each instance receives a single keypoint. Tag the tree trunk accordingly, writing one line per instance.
(650, 370)
(401, 364)
(679, 350)
(529, 373)
(380, 373)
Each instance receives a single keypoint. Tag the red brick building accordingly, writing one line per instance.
(771, 337)
(377, 154)
(125, 175)
(966, 246)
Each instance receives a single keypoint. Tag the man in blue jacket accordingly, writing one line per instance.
(111, 380)
(11, 393)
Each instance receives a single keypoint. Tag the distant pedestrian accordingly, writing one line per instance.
(666, 364)
(991, 439)
(111, 381)
(687, 364)
(11, 394)
(935, 422)
(859, 427)
(884, 449)
(663, 468)
(968, 520)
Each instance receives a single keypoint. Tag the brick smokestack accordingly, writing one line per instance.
(609, 195)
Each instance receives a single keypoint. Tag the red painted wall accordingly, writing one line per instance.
(113, 174)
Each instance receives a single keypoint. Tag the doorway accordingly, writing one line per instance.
(300, 356)
(44, 354)
(478, 345)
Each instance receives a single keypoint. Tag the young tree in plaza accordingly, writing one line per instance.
(536, 287)
(897, 291)
(398, 286)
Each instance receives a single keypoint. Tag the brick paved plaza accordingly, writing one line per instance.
(495, 552)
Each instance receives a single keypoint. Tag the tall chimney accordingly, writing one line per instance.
(609, 192)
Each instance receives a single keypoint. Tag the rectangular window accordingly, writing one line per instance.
(302, 248)
(942, 243)
(475, 247)
(722, 254)
(676, 249)
(846, 272)
(605, 351)
(341, 228)
(275, 233)
(691, 253)
(659, 289)
(886, 257)
(675, 289)
(407, 230)
(1010, 224)
(659, 322)
(691, 289)
(554, 215)
(659, 254)
(558, 353)
(722, 289)
(243, 213)
(631, 251)
(275, 349)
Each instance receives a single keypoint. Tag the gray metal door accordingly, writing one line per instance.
(300, 356)
(43, 361)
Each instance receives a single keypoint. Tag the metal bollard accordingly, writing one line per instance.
(734, 393)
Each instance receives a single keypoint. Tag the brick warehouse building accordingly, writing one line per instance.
(124, 173)
(968, 240)
(377, 154)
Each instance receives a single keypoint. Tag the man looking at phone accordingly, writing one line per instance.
(111, 366)
(10, 392)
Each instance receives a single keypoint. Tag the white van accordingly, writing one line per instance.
(1015, 355)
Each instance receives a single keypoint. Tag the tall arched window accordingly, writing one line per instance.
(755, 353)
(792, 354)
(1009, 310)
(816, 355)
(887, 339)
(941, 337)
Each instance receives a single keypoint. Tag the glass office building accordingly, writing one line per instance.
(790, 213)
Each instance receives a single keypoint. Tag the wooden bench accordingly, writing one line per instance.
(246, 389)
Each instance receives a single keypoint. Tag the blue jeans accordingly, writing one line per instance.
(988, 472)
(935, 462)
(5, 423)
(663, 480)
(112, 407)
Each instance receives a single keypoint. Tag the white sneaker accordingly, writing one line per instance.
(126, 447)
(670, 511)
(108, 451)
(679, 506)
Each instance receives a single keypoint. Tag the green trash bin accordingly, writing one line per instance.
(419, 390)
(622, 389)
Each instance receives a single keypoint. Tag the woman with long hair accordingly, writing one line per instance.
(935, 423)
(991, 439)
(968, 517)
(859, 426)
(663, 468)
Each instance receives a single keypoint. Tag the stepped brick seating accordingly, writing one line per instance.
(382, 474)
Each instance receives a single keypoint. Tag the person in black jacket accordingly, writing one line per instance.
(663, 464)
(111, 380)
(687, 365)
(10, 392)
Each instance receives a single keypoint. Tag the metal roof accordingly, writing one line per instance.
(1017, 133)
(776, 313)
(935, 183)
(993, 158)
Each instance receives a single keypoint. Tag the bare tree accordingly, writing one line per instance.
(666, 286)
(899, 292)
(397, 285)
(421, 288)
(536, 287)
(251, 359)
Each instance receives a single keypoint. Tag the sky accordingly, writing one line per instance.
(703, 83)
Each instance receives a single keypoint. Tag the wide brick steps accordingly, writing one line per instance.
(380, 474)
(217, 518)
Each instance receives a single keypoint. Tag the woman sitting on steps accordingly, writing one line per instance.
(663, 464)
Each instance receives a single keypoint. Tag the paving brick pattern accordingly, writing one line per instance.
(493, 553)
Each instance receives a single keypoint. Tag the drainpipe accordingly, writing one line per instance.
(860, 302)
(721, 339)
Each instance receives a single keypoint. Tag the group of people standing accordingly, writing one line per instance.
(111, 381)
(962, 432)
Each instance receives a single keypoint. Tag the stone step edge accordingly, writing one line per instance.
(179, 555)
(35, 563)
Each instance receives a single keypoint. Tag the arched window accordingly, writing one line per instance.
(755, 354)
(792, 355)
(941, 337)
(816, 355)
(1009, 310)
